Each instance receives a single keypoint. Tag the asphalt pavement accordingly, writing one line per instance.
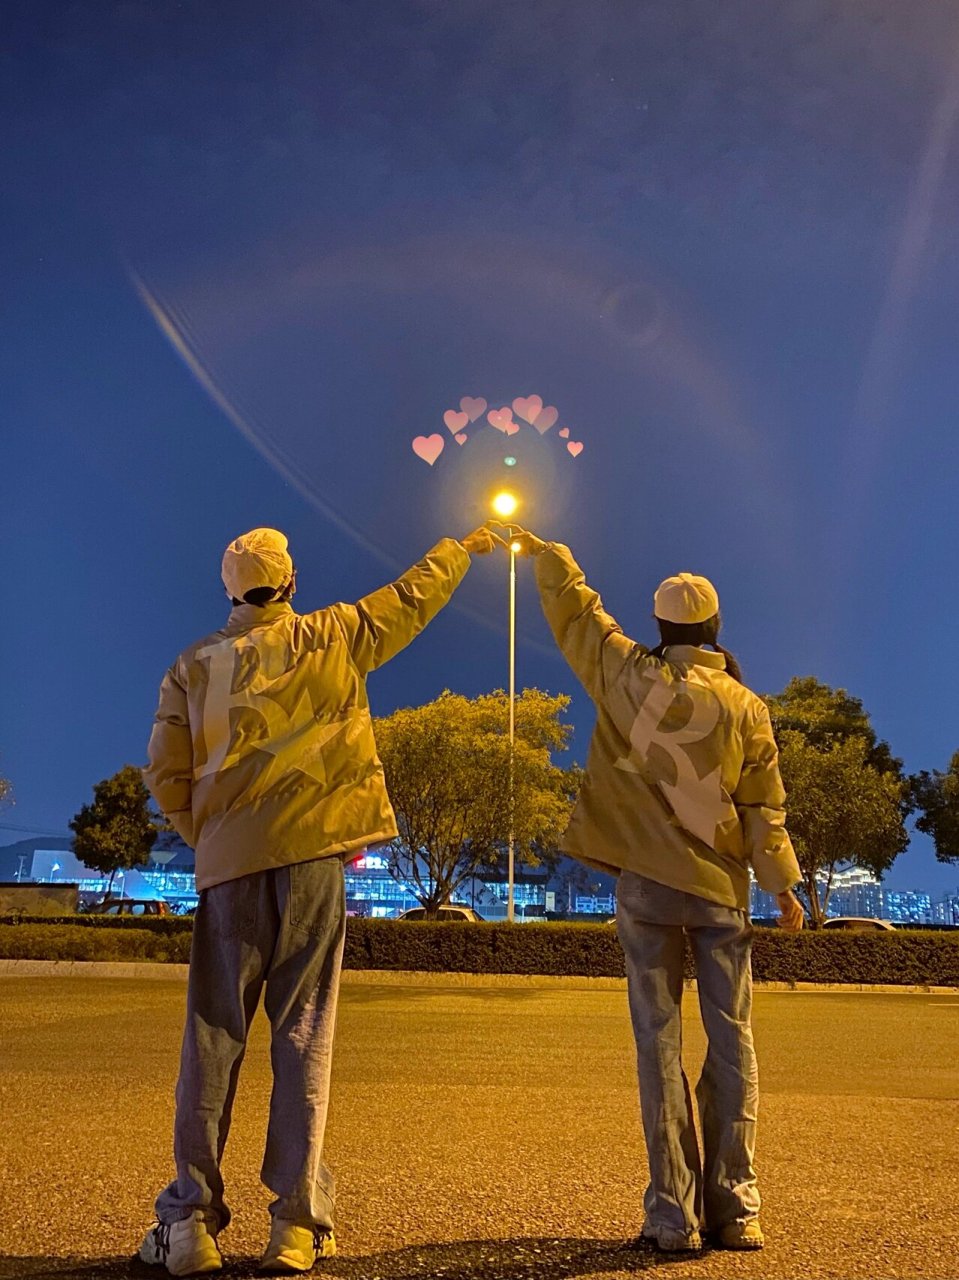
(485, 1132)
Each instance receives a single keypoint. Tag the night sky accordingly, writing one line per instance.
(250, 251)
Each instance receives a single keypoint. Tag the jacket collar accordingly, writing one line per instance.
(244, 616)
(690, 654)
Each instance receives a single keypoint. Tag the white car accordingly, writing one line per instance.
(858, 924)
(450, 912)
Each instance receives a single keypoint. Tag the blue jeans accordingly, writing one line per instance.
(284, 930)
(686, 1193)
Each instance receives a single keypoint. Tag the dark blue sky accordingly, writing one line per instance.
(719, 238)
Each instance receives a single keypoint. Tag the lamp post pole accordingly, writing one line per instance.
(504, 505)
(510, 909)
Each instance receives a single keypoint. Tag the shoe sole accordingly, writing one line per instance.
(653, 1242)
(202, 1266)
(281, 1266)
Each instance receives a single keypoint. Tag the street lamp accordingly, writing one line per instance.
(504, 505)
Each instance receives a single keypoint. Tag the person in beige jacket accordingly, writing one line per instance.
(682, 797)
(263, 758)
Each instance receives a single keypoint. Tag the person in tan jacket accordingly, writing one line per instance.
(263, 758)
(682, 797)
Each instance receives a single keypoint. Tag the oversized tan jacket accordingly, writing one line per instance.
(682, 779)
(262, 750)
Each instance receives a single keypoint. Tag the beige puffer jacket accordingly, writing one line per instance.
(682, 781)
(262, 751)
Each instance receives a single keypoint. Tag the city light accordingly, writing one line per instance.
(505, 503)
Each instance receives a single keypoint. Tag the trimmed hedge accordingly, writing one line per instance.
(154, 924)
(901, 959)
(73, 942)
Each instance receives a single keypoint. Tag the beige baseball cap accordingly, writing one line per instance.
(685, 598)
(256, 559)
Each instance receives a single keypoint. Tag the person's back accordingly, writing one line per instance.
(278, 729)
(681, 795)
(263, 757)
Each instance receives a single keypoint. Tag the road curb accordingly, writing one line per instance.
(149, 971)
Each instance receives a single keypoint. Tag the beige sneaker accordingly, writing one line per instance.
(186, 1248)
(747, 1234)
(294, 1248)
(669, 1241)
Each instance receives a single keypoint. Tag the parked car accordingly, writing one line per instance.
(130, 907)
(858, 924)
(450, 912)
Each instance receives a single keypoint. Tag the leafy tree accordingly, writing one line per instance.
(936, 796)
(447, 770)
(118, 829)
(840, 811)
(847, 797)
(6, 792)
(824, 715)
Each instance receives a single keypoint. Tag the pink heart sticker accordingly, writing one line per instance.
(564, 433)
(546, 419)
(473, 406)
(528, 408)
(575, 448)
(501, 419)
(455, 421)
(461, 437)
(429, 448)
(511, 428)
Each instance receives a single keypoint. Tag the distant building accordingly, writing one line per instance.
(907, 907)
(570, 889)
(946, 909)
(855, 892)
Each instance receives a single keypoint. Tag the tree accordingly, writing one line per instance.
(847, 798)
(6, 792)
(447, 771)
(118, 829)
(840, 810)
(936, 796)
(824, 715)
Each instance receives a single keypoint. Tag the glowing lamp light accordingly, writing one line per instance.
(505, 504)
(515, 546)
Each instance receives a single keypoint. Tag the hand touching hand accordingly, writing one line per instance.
(524, 542)
(791, 914)
(482, 541)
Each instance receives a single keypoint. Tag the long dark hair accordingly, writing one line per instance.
(699, 634)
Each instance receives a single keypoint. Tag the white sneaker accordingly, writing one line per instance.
(186, 1248)
(294, 1248)
(669, 1241)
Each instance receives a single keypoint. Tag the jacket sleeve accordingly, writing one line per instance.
(381, 624)
(590, 640)
(169, 772)
(760, 800)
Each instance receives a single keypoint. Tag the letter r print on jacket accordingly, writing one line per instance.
(260, 663)
(673, 719)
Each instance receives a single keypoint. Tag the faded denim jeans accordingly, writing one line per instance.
(686, 1193)
(284, 930)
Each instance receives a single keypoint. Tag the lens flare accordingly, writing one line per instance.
(505, 504)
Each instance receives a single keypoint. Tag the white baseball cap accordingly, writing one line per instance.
(256, 559)
(685, 598)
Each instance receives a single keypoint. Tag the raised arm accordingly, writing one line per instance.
(384, 622)
(591, 641)
(169, 772)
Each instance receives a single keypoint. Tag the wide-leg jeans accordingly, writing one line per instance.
(282, 930)
(687, 1192)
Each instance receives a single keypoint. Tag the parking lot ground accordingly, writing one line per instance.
(485, 1132)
